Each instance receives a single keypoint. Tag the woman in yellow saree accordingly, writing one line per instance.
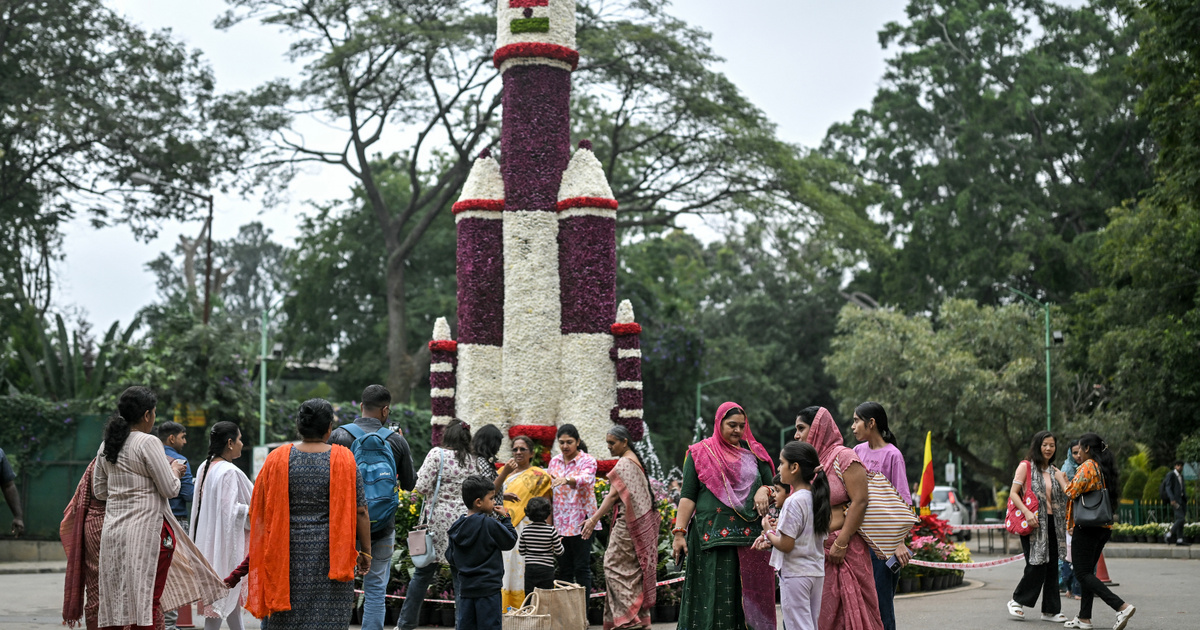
(518, 482)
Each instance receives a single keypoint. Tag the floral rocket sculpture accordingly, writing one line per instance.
(540, 341)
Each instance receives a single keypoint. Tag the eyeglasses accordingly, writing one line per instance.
(520, 450)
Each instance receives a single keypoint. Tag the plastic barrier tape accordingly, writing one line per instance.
(967, 566)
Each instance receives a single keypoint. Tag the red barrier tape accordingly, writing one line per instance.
(987, 526)
(600, 594)
(967, 566)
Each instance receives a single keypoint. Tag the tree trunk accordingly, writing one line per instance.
(401, 368)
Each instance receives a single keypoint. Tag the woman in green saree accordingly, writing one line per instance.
(518, 482)
(726, 488)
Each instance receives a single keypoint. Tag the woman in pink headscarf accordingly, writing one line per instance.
(849, 600)
(726, 486)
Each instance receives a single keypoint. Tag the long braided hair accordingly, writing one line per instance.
(219, 437)
(621, 433)
(131, 408)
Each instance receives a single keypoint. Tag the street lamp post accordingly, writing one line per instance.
(1046, 308)
(150, 180)
(700, 386)
(262, 375)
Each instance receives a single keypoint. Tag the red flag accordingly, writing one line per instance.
(926, 490)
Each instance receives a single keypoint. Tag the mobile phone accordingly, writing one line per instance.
(893, 563)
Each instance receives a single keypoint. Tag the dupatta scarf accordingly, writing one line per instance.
(74, 532)
(642, 522)
(826, 437)
(729, 472)
(269, 583)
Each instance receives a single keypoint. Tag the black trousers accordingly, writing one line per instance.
(575, 565)
(1086, 545)
(1176, 535)
(538, 576)
(1040, 578)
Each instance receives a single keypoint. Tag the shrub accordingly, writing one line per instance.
(1135, 482)
(1153, 481)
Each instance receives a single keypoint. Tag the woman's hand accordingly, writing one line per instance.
(1031, 518)
(510, 496)
(762, 544)
(837, 552)
(589, 526)
(557, 481)
(509, 467)
(679, 548)
(903, 555)
(178, 468)
(768, 523)
(762, 500)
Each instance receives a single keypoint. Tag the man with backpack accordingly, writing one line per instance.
(1173, 490)
(385, 463)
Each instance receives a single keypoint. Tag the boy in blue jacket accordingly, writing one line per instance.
(476, 542)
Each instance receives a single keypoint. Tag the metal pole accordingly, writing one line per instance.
(700, 386)
(262, 385)
(1045, 307)
(208, 263)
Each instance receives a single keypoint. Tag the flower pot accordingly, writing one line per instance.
(927, 583)
(905, 585)
(391, 615)
(446, 617)
(958, 580)
(939, 583)
(356, 615)
(426, 616)
(595, 616)
(666, 613)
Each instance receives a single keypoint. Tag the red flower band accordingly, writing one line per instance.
(587, 202)
(444, 345)
(490, 205)
(604, 466)
(541, 434)
(632, 328)
(536, 49)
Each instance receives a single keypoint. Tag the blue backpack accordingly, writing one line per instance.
(377, 465)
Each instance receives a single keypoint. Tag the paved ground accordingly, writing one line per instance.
(1163, 590)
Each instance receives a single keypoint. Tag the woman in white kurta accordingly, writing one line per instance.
(145, 566)
(220, 519)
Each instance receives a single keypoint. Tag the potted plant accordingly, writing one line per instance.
(595, 610)
(667, 607)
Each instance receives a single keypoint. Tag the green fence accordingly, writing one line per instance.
(1138, 512)
(46, 492)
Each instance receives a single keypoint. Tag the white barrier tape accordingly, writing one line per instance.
(987, 526)
(600, 594)
(674, 581)
(967, 566)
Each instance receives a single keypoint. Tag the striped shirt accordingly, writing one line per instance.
(539, 544)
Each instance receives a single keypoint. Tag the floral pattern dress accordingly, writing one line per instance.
(448, 505)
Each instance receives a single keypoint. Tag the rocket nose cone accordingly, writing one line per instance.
(536, 32)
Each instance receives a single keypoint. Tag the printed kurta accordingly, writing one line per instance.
(220, 524)
(533, 482)
(573, 506)
(449, 504)
(136, 489)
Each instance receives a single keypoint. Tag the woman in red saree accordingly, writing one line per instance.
(80, 533)
(849, 600)
(631, 560)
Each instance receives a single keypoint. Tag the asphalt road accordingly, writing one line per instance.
(1163, 590)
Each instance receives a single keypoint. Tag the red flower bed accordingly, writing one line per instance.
(931, 525)
(543, 435)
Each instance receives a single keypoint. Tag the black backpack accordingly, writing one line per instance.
(1163, 495)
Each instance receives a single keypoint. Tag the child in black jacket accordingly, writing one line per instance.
(476, 543)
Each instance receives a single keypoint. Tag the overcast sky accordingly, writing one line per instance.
(807, 64)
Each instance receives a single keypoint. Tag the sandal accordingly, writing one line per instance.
(1076, 623)
(1015, 609)
(1055, 618)
(1123, 617)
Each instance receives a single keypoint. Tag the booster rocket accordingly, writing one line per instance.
(539, 341)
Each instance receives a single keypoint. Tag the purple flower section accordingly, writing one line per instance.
(623, 342)
(536, 138)
(481, 281)
(587, 273)
(636, 430)
(441, 380)
(436, 436)
(442, 406)
(628, 398)
(629, 370)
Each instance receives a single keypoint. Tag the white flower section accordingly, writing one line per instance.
(441, 367)
(477, 214)
(584, 177)
(629, 353)
(562, 24)
(630, 413)
(479, 397)
(484, 181)
(629, 385)
(589, 389)
(441, 330)
(440, 392)
(532, 317)
(533, 61)
(440, 421)
(625, 313)
(587, 212)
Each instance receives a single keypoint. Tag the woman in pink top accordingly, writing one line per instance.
(573, 478)
(876, 449)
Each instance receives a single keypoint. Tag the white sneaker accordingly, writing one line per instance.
(1123, 617)
(1055, 618)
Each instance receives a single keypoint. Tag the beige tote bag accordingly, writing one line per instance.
(566, 604)
(528, 617)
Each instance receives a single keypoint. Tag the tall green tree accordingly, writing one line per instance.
(1139, 331)
(675, 135)
(1002, 133)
